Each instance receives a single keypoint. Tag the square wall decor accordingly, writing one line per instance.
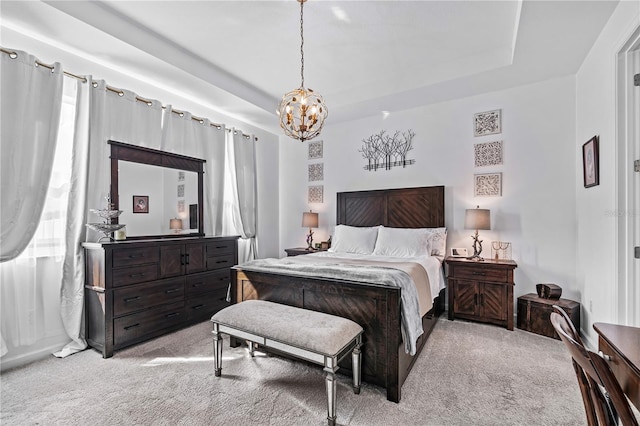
(316, 193)
(316, 172)
(487, 185)
(487, 123)
(488, 154)
(315, 150)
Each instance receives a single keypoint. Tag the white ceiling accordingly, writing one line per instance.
(364, 57)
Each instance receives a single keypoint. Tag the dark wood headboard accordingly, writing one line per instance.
(398, 208)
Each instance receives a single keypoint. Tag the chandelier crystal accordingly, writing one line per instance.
(302, 111)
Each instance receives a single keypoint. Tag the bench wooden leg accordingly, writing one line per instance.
(331, 398)
(217, 350)
(356, 366)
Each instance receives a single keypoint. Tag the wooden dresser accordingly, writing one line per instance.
(481, 290)
(140, 289)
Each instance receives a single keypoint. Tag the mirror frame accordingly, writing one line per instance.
(154, 157)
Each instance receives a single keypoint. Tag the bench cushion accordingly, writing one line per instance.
(315, 331)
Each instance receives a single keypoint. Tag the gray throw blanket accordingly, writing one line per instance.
(411, 323)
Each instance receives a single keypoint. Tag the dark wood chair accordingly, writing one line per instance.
(604, 400)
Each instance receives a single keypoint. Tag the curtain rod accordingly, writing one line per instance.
(14, 55)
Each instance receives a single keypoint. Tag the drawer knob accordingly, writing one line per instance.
(173, 290)
(136, 275)
(172, 314)
(194, 285)
(221, 261)
(129, 327)
(197, 307)
(131, 299)
(478, 273)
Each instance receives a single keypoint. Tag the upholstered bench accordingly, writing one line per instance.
(313, 336)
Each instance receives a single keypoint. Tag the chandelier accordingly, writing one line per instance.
(302, 111)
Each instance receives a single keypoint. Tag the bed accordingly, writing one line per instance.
(375, 307)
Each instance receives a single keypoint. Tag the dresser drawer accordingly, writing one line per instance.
(135, 298)
(219, 262)
(203, 283)
(479, 273)
(136, 327)
(204, 306)
(221, 247)
(134, 275)
(136, 256)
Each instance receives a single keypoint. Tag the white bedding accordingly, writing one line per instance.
(431, 265)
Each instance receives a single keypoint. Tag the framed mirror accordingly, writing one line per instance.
(160, 193)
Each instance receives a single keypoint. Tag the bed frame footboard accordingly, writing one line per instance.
(376, 308)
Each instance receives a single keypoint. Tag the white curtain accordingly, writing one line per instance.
(183, 135)
(31, 102)
(242, 193)
(111, 115)
(30, 105)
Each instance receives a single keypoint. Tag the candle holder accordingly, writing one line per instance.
(106, 227)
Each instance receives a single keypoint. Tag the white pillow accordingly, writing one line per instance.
(354, 239)
(403, 242)
(438, 241)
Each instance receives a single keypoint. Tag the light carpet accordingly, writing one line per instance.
(467, 374)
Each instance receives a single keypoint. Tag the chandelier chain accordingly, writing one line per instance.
(301, 44)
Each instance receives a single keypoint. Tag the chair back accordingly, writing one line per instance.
(594, 375)
(568, 325)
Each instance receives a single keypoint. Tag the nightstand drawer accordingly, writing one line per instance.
(479, 273)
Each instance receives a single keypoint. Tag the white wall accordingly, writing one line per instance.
(536, 211)
(596, 115)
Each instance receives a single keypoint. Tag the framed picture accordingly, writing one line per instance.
(487, 123)
(590, 166)
(315, 150)
(487, 185)
(141, 204)
(459, 252)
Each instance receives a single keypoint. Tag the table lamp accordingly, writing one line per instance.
(477, 219)
(175, 225)
(310, 220)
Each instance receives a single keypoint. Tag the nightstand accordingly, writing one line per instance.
(300, 250)
(481, 290)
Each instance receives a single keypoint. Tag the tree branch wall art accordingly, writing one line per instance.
(385, 151)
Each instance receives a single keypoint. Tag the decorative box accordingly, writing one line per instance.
(534, 314)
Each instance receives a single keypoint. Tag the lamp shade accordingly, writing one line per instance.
(175, 224)
(477, 219)
(309, 220)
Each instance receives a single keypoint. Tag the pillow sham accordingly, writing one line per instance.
(354, 239)
(403, 242)
(438, 241)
